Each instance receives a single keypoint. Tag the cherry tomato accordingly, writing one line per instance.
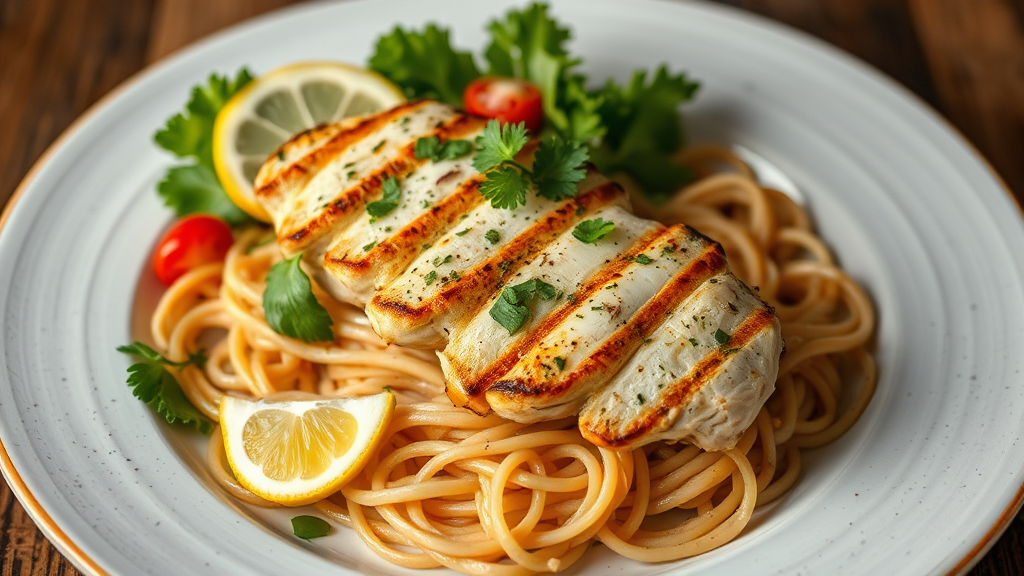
(506, 100)
(193, 241)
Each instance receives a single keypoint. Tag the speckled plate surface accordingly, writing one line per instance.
(921, 485)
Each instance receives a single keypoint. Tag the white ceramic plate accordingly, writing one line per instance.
(921, 485)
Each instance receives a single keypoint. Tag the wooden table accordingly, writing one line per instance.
(57, 57)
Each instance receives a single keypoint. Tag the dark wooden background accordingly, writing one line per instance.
(57, 57)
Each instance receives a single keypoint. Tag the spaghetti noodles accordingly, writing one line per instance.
(486, 495)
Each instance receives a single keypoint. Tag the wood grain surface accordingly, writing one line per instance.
(963, 57)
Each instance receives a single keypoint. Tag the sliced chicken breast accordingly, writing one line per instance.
(648, 337)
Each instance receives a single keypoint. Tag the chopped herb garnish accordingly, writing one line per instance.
(152, 383)
(389, 200)
(463, 232)
(438, 261)
(430, 277)
(560, 362)
(308, 527)
(280, 155)
(492, 236)
(640, 399)
(591, 231)
(694, 342)
(597, 307)
(510, 308)
(290, 307)
(722, 337)
(580, 210)
(369, 246)
(431, 148)
(379, 145)
(667, 250)
(350, 174)
(643, 259)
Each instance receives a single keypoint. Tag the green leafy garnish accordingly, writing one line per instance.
(499, 144)
(432, 149)
(430, 277)
(152, 383)
(560, 362)
(308, 527)
(424, 64)
(591, 231)
(556, 169)
(505, 187)
(463, 232)
(633, 129)
(368, 247)
(722, 337)
(290, 307)
(643, 259)
(694, 342)
(194, 187)
(644, 130)
(438, 261)
(510, 309)
(492, 236)
(389, 200)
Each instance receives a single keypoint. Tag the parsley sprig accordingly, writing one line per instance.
(290, 307)
(510, 310)
(152, 383)
(557, 166)
(194, 187)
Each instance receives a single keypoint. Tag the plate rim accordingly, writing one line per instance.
(82, 561)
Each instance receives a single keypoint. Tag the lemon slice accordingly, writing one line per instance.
(282, 103)
(297, 452)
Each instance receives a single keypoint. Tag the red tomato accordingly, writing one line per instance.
(191, 242)
(506, 100)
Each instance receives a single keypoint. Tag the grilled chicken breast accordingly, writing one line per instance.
(650, 336)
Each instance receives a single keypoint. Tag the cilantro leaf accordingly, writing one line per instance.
(424, 64)
(492, 236)
(557, 167)
(290, 307)
(722, 337)
(308, 527)
(154, 385)
(590, 231)
(643, 259)
(510, 308)
(192, 188)
(389, 199)
(560, 362)
(498, 144)
(505, 187)
(431, 148)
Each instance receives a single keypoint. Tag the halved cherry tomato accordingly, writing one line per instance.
(195, 240)
(506, 100)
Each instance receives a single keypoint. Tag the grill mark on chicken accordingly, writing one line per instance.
(300, 172)
(618, 347)
(354, 198)
(399, 250)
(609, 433)
(469, 290)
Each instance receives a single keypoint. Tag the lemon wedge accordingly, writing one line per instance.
(298, 452)
(282, 103)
